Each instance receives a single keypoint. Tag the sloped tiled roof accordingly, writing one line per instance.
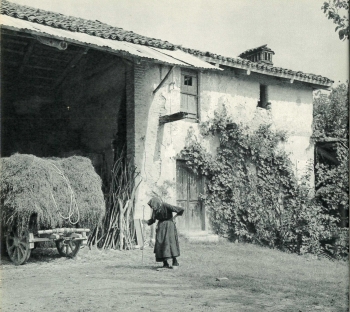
(93, 28)
(99, 29)
(260, 67)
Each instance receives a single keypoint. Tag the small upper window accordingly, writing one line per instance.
(187, 80)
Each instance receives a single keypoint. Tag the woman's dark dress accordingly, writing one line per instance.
(167, 244)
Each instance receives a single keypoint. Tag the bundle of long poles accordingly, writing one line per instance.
(117, 230)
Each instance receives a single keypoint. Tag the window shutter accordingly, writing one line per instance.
(189, 92)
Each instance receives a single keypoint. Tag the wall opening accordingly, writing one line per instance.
(263, 98)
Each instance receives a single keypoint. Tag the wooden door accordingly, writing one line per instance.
(188, 188)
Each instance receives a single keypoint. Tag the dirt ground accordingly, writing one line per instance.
(120, 281)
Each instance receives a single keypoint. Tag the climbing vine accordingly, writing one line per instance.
(252, 193)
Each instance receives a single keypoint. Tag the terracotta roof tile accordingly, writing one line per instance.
(99, 29)
(93, 28)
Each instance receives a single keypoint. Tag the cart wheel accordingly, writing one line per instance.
(68, 248)
(18, 247)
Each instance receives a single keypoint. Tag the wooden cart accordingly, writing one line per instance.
(68, 242)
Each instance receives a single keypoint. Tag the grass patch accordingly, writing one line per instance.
(305, 281)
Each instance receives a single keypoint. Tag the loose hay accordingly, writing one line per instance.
(61, 192)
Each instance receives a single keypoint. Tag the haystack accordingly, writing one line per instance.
(60, 192)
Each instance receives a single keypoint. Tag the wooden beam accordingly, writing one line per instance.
(11, 85)
(49, 48)
(39, 77)
(12, 63)
(98, 70)
(139, 234)
(26, 57)
(71, 64)
(44, 57)
(13, 51)
(15, 41)
(173, 117)
(164, 79)
(63, 230)
(14, 33)
(41, 67)
(127, 62)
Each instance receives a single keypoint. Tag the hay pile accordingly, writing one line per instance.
(61, 192)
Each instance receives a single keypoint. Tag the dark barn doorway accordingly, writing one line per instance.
(60, 99)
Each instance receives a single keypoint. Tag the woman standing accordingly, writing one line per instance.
(167, 244)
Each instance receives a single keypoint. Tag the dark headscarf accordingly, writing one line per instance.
(155, 203)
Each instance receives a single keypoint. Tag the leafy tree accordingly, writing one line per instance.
(331, 113)
(331, 133)
(335, 10)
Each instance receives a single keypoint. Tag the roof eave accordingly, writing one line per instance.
(251, 67)
(121, 53)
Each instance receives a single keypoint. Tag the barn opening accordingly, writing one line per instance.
(61, 99)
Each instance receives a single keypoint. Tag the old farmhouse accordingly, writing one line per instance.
(72, 86)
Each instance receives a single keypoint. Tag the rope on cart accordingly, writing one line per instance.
(73, 203)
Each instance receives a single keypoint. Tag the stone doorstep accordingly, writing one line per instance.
(201, 236)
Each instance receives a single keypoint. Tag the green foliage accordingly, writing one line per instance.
(333, 182)
(252, 193)
(331, 113)
(338, 11)
(331, 116)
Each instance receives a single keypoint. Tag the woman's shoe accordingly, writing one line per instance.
(166, 265)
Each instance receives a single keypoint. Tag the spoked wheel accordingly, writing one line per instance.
(68, 248)
(18, 247)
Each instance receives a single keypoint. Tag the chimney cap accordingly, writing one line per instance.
(262, 48)
(262, 55)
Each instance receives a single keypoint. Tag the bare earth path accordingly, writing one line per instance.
(259, 279)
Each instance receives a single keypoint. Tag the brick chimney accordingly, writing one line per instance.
(262, 55)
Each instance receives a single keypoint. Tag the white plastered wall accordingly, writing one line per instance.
(158, 146)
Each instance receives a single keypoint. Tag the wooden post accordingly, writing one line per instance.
(139, 234)
(121, 225)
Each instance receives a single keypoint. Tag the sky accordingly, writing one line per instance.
(301, 36)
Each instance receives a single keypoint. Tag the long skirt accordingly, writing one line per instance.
(167, 243)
